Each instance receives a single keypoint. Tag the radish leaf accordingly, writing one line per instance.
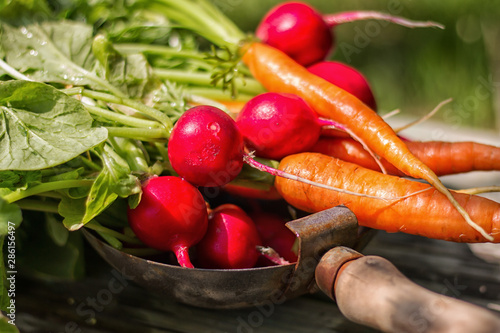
(50, 51)
(57, 52)
(115, 180)
(41, 127)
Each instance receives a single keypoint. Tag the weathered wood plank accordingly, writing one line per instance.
(104, 303)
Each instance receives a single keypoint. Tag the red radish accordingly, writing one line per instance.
(205, 147)
(231, 240)
(298, 30)
(276, 125)
(171, 216)
(306, 35)
(347, 78)
(275, 234)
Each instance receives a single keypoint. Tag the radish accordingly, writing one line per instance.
(231, 240)
(347, 78)
(306, 35)
(275, 234)
(171, 216)
(276, 125)
(205, 147)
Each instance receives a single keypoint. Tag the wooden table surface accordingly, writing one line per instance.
(89, 306)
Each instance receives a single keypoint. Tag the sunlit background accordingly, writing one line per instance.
(415, 69)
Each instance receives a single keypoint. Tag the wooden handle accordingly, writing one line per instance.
(371, 291)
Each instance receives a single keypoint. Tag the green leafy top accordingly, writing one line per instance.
(87, 103)
(41, 127)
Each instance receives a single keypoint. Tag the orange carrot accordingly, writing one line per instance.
(444, 158)
(426, 213)
(333, 132)
(279, 73)
(233, 106)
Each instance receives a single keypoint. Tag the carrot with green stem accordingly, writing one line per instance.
(427, 212)
(279, 73)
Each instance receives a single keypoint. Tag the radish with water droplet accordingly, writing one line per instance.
(171, 216)
(206, 147)
(231, 240)
(305, 34)
(205, 130)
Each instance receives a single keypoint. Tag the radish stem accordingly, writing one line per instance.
(181, 252)
(350, 16)
(47, 187)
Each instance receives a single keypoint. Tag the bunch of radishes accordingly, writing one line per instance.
(173, 216)
(207, 148)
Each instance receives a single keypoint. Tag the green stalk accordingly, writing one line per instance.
(46, 187)
(93, 225)
(247, 85)
(157, 50)
(136, 105)
(144, 134)
(217, 94)
(121, 118)
(39, 205)
(90, 164)
(134, 155)
(13, 72)
(209, 23)
(162, 150)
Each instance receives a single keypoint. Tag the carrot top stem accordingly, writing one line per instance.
(479, 190)
(425, 117)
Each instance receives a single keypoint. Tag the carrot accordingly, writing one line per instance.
(279, 73)
(234, 107)
(444, 158)
(426, 213)
(334, 133)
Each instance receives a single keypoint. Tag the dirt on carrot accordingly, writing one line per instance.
(425, 213)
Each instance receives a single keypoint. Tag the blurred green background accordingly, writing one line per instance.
(415, 69)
